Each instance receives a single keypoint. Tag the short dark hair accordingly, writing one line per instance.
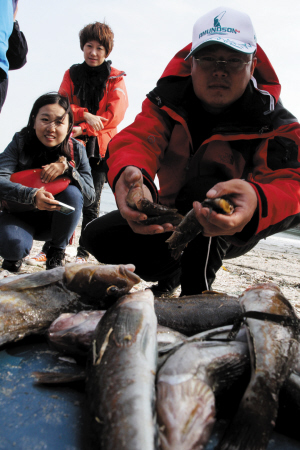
(50, 98)
(100, 32)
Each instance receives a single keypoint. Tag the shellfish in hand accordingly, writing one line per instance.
(189, 227)
(156, 214)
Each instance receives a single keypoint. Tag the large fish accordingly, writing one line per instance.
(186, 388)
(121, 375)
(29, 304)
(273, 341)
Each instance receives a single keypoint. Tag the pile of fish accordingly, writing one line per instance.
(260, 351)
(30, 303)
(158, 370)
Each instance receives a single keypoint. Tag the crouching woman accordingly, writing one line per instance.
(30, 213)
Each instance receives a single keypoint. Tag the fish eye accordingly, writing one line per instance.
(112, 290)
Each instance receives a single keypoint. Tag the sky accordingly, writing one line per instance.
(147, 36)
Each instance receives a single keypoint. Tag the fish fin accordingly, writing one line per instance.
(31, 281)
(230, 370)
(186, 413)
(251, 427)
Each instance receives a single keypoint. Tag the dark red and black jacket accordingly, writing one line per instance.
(262, 147)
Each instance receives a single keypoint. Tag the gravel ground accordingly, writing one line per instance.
(267, 262)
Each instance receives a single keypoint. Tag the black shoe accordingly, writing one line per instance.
(162, 288)
(12, 266)
(55, 257)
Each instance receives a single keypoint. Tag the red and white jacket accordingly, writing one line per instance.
(159, 142)
(112, 106)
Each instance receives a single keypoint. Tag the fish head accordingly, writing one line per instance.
(100, 281)
(132, 299)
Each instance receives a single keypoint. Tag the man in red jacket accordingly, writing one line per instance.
(213, 126)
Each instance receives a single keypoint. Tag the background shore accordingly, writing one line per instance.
(275, 259)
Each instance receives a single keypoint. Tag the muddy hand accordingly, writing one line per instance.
(130, 192)
(244, 199)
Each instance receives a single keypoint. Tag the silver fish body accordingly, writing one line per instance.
(186, 388)
(121, 375)
(273, 345)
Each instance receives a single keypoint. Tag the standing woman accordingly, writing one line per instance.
(98, 99)
(34, 213)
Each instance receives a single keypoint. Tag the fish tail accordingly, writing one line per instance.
(250, 429)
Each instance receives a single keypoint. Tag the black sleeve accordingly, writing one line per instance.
(17, 48)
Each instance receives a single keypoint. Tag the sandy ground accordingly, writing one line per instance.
(275, 260)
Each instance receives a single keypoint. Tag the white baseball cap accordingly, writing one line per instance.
(224, 26)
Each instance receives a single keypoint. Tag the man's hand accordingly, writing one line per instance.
(45, 201)
(133, 176)
(52, 171)
(94, 121)
(242, 195)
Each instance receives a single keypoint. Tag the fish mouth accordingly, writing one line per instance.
(127, 271)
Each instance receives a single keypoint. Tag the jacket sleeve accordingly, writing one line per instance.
(66, 89)
(276, 179)
(17, 48)
(142, 144)
(81, 174)
(9, 160)
(116, 105)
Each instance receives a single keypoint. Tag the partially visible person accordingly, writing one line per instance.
(99, 100)
(213, 126)
(30, 213)
(13, 45)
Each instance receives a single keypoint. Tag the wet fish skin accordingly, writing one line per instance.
(121, 375)
(193, 314)
(190, 227)
(174, 219)
(273, 348)
(72, 333)
(167, 336)
(186, 388)
(100, 281)
(29, 304)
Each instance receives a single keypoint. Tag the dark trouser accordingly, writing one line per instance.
(3, 89)
(110, 239)
(17, 230)
(91, 212)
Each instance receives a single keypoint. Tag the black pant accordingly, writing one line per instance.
(92, 211)
(3, 89)
(110, 239)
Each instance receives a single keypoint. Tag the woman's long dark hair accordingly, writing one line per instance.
(50, 98)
